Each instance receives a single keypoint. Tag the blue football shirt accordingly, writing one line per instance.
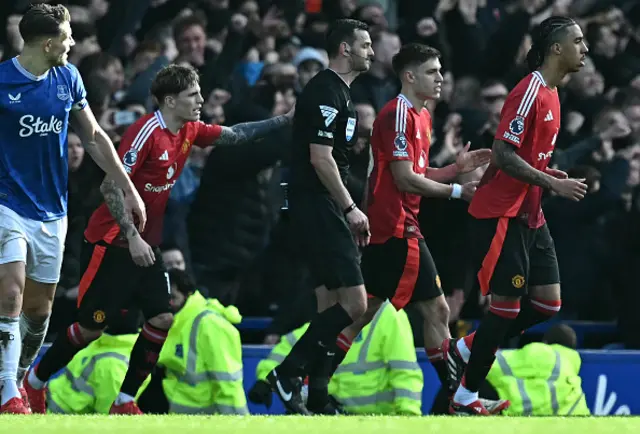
(34, 118)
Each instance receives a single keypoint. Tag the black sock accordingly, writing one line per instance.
(337, 359)
(61, 352)
(153, 400)
(441, 369)
(436, 358)
(320, 372)
(343, 345)
(488, 337)
(144, 357)
(319, 338)
(529, 316)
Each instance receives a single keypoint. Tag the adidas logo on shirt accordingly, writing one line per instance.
(164, 156)
(548, 117)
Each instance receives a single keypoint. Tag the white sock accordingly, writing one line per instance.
(123, 398)
(34, 381)
(10, 345)
(464, 396)
(465, 352)
(33, 334)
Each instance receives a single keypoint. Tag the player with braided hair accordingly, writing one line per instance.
(549, 32)
(512, 250)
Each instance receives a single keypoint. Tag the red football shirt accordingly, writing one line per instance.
(530, 121)
(400, 132)
(154, 158)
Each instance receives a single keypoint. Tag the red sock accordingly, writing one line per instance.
(468, 340)
(343, 342)
(546, 307)
(434, 354)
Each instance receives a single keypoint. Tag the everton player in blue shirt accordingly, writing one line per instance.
(39, 93)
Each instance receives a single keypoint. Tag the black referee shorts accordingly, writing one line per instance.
(508, 256)
(324, 241)
(112, 283)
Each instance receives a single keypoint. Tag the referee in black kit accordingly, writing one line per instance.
(324, 217)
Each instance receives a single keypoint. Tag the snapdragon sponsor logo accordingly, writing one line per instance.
(159, 188)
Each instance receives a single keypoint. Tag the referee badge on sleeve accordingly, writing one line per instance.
(400, 146)
(351, 128)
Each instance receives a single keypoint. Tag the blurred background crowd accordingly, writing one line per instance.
(227, 221)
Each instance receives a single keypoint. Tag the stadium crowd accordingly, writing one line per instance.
(227, 217)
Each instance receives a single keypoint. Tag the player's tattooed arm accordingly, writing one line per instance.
(505, 157)
(245, 132)
(114, 199)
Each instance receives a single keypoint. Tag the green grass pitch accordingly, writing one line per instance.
(310, 425)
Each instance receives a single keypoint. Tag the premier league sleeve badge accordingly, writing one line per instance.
(517, 125)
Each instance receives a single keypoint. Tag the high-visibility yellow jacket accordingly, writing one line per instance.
(380, 374)
(539, 380)
(202, 357)
(91, 381)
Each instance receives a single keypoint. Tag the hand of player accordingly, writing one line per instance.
(559, 174)
(468, 190)
(570, 188)
(468, 161)
(141, 252)
(359, 225)
(135, 206)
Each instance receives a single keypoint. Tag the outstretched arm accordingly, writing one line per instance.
(505, 157)
(245, 132)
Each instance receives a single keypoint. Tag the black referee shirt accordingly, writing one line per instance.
(325, 115)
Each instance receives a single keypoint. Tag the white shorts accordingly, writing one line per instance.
(39, 245)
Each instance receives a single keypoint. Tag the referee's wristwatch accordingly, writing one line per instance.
(350, 208)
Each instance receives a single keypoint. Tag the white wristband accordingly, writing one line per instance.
(456, 191)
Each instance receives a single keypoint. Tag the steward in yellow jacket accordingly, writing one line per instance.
(541, 379)
(200, 365)
(380, 374)
(91, 381)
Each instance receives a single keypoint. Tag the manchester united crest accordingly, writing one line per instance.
(99, 316)
(186, 145)
(517, 281)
